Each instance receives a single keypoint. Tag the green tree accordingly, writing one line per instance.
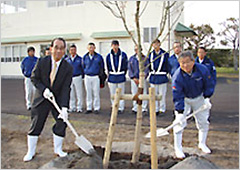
(230, 34)
(203, 38)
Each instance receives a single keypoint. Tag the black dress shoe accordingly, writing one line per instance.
(88, 111)
(96, 112)
(157, 113)
(29, 108)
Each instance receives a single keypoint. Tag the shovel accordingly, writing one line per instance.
(163, 132)
(80, 141)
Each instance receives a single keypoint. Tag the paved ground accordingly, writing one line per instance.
(224, 113)
(223, 135)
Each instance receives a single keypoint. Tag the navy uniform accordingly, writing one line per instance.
(133, 72)
(173, 64)
(77, 84)
(191, 90)
(92, 64)
(117, 68)
(158, 77)
(210, 65)
(27, 66)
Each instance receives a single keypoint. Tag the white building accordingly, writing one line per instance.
(36, 23)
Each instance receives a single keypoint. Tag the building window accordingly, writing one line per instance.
(63, 3)
(43, 49)
(13, 53)
(149, 34)
(13, 6)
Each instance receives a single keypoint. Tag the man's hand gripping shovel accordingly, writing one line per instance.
(163, 132)
(80, 141)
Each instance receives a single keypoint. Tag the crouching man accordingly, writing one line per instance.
(52, 76)
(192, 87)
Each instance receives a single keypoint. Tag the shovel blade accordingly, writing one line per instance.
(84, 145)
(160, 132)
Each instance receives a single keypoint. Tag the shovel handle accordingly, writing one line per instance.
(53, 101)
(203, 107)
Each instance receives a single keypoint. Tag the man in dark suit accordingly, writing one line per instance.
(52, 76)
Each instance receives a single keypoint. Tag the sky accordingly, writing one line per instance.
(210, 12)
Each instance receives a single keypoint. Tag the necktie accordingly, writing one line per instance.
(53, 73)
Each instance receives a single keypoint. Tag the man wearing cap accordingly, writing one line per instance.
(117, 63)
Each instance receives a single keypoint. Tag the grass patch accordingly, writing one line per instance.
(23, 117)
(227, 72)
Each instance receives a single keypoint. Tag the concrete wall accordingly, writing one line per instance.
(84, 18)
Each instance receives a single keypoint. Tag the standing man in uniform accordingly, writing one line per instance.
(47, 51)
(52, 76)
(133, 71)
(203, 59)
(117, 64)
(27, 66)
(76, 95)
(158, 74)
(92, 64)
(192, 87)
(173, 60)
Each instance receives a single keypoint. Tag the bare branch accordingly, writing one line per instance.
(108, 7)
(174, 22)
(144, 8)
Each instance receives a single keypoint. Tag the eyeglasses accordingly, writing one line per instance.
(59, 48)
(186, 63)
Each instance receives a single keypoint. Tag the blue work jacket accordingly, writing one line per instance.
(27, 65)
(77, 65)
(210, 65)
(158, 76)
(173, 64)
(133, 67)
(114, 74)
(191, 85)
(92, 66)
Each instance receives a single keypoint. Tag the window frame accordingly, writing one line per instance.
(11, 57)
(150, 37)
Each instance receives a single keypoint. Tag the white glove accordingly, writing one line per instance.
(64, 114)
(182, 122)
(47, 93)
(207, 102)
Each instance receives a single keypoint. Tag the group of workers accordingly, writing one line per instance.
(193, 83)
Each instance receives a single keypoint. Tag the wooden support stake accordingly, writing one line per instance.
(153, 129)
(111, 129)
(137, 137)
(141, 97)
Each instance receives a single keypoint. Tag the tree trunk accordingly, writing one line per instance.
(235, 59)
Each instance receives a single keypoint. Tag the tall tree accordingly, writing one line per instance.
(203, 38)
(118, 9)
(230, 34)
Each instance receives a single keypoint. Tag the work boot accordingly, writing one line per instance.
(57, 141)
(202, 136)
(32, 144)
(178, 145)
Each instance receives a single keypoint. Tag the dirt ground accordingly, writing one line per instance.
(223, 136)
